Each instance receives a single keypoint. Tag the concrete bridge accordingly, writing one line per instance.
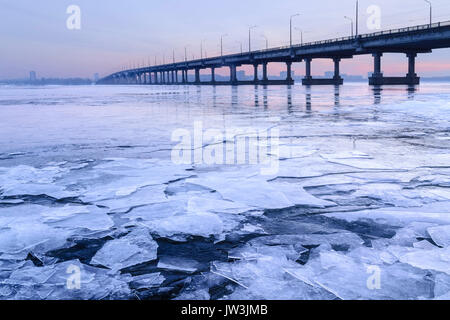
(409, 41)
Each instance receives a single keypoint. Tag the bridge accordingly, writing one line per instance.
(409, 41)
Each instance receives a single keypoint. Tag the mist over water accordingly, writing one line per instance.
(87, 179)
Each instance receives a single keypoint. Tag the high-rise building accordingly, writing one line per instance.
(32, 76)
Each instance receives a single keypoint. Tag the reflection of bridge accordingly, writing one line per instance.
(409, 41)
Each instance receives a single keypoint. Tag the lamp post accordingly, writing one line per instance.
(267, 41)
(301, 35)
(250, 38)
(351, 20)
(290, 27)
(221, 44)
(201, 49)
(185, 53)
(431, 11)
(240, 43)
(357, 17)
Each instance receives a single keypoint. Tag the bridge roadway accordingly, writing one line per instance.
(409, 41)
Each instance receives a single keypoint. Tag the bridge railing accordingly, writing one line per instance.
(436, 25)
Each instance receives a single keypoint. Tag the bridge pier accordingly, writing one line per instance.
(377, 78)
(233, 75)
(213, 75)
(265, 79)
(289, 79)
(310, 81)
(197, 76)
(255, 73)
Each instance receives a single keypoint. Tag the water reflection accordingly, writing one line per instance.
(289, 99)
(308, 98)
(377, 94)
(265, 99)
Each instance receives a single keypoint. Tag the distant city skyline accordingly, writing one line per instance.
(115, 35)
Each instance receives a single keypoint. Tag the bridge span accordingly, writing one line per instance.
(409, 41)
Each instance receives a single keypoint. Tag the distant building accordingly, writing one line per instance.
(283, 74)
(32, 76)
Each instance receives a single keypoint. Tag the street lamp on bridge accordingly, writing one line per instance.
(240, 43)
(201, 49)
(290, 27)
(351, 20)
(221, 44)
(267, 41)
(431, 11)
(250, 38)
(185, 53)
(301, 34)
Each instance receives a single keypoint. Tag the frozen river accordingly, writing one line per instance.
(101, 197)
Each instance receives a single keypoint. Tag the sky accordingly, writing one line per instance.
(121, 34)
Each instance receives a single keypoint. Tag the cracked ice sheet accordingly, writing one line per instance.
(182, 226)
(41, 229)
(141, 197)
(50, 282)
(135, 248)
(257, 192)
(438, 213)
(26, 180)
(346, 276)
(440, 235)
(132, 175)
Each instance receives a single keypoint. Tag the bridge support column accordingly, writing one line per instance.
(255, 73)
(265, 78)
(176, 76)
(183, 76)
(412, 65)
(337, 75)
(308, 78)
(289, 79)
(197, 76)
(173, 76)
(377, 79)
(233, 75)
(310, 81)
(213, 75)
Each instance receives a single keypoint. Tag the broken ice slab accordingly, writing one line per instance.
(135, 248)
(173, 263)
(93, 220)
(436, 259)
(140, 197)
(206, 204)
(147, 281)
(266, 278)
(342, 240)
(127, 176)
(22, 230)
(438, 213)
(440, 235)
(257, 192)
(182, 226)
(349, 278)
(26, 180)
(157, 211)
(65, 281)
